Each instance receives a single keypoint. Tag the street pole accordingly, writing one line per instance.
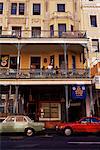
(66, 99)
(91, 101)
(66, 86)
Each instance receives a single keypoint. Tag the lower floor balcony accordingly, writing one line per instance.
(43, 73)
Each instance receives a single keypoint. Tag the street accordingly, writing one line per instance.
(50, 142)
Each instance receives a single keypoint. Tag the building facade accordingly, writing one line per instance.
(90, 21)
(43, 67)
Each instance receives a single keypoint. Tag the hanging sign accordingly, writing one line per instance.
(78, 92)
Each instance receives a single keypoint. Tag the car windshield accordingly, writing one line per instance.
(29, 120)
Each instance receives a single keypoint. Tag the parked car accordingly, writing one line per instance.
(21, 123)
(86, 125)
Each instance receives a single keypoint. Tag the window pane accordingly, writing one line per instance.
(21, 9)
(1, 8)
(95, 45)
(36, 9)
(93, 21)
(13, 8)
(61, 7)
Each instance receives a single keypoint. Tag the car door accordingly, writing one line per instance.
(82, 125)
(20, 124)
(8, 124)
(95, 125)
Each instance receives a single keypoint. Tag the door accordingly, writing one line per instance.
(73, 62)
(35, 62)
(61, 29)
(51, 30)
(8, 124)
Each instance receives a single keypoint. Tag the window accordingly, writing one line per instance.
(35, 62)
(36, 9)
(36, 31)
(21, 8)
(1, 8)
(13, 8)
(50, 110)
(62, 61)
(93, 21)
(16, 31)
(73, 62)
(20, 119)
(0, 30)
(61, 7)
(95, 45)
(61, 29)
(51, 30)
(72, 28)
(13, 62)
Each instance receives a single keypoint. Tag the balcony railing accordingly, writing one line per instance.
(42, 34)
(43, 74)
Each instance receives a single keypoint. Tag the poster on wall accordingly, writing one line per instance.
(4, 60)
(78, 92)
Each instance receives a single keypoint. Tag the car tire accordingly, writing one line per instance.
(68, 131)
(29, 131)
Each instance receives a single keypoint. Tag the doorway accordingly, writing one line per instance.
(32, 110)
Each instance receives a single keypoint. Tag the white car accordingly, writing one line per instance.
(21, 123)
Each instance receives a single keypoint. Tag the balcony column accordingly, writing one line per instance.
(66, 102)
(91, 101)
(15, 109)
(19, 46)
(65, 54)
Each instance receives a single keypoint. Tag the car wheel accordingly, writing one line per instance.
(29, 131)
(68, 131)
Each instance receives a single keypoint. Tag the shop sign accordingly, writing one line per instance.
(4, 60)
(78, 92)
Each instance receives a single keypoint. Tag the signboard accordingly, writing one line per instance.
(78, 92)
(4, 60)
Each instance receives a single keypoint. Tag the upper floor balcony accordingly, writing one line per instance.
(38, 33)
(62, 15)
(6, 73)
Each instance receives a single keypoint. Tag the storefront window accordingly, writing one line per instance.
(50, 110)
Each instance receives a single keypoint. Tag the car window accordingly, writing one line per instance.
(85, 120)
(19, 119)
(10, 119)
(94, 120)
(25, 120)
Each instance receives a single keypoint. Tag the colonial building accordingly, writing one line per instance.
(43, 67)
(90, 21)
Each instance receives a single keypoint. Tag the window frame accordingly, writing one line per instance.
(60, 7)
(36, 11)
(21, 10)
(93, 20)
(1, 8)
(13, 8)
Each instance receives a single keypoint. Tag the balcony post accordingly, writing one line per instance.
(65, 54)
(66, 101)
(16, 100)
(91, 101)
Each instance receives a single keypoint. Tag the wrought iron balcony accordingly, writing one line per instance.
(44, 74)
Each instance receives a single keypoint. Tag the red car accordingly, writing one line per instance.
(86, 124)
